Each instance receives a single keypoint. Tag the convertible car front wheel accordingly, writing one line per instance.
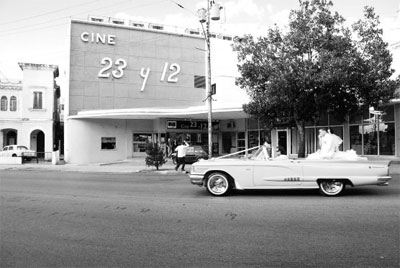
(218, 184)
(331, 187)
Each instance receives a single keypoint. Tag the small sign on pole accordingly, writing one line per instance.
(213, 89)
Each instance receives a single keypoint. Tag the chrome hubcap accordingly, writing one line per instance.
(217, 184)
(332, 187)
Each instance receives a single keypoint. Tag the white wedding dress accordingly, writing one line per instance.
(329, 144)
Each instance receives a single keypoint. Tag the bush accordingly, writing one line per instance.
(155, 155)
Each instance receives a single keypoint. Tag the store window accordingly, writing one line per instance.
(4, 103)
(13, 103)
(140, 141)
(254, 139)
(387, 140)
(241, 141)
(37, 100)
(108, 143)
(375, 135)
(310, 139)
(356, 139)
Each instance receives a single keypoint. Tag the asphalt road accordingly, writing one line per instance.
(60, 219)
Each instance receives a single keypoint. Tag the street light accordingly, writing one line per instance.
(213, 12)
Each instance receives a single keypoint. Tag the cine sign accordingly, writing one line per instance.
(115, 68)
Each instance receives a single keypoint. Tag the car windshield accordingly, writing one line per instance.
(255, 153)
(22, 148)
(260, 154)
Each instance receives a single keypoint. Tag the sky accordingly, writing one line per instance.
(38, 31)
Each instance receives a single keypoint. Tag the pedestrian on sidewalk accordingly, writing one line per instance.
(181, 154)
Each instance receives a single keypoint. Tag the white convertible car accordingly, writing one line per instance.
(221, 175)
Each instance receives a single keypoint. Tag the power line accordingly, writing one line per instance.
(182, 7)
(16, 30)
(47, 13)
(51, 20)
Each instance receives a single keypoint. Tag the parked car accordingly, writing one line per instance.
(193, 154)
(331, 177)
(17, 151)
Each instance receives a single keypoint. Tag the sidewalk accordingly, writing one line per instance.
(134, 165)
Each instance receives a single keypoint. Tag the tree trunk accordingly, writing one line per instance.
(302, 141)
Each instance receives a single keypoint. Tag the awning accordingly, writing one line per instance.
(218, 113)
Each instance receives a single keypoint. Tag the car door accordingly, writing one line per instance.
(277, 174)
(190, 157)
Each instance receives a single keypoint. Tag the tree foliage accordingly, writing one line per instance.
(155, 155)
(314, 67)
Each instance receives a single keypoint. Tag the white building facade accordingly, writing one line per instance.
(27, 108)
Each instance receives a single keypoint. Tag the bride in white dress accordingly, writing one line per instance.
(329, 148)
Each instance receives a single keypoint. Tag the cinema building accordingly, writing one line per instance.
(133, 83)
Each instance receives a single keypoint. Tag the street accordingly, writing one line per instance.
(70, 219)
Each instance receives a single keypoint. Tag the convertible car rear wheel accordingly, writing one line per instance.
(331, 187)
(218, 184)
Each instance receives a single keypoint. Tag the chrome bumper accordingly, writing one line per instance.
(196, 179)
(384, 181)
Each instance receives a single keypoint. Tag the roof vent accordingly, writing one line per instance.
(192, 31)
(117, 21)
(156, 27)
(137, 24)
(96, 19)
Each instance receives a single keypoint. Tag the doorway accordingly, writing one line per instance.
(282, 141)
(38, 142)
(11, 138)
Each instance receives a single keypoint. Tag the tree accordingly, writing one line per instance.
(155, 155)
(314, 67)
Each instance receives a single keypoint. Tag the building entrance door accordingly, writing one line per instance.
(283, 141)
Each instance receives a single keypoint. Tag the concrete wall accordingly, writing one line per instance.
(84, 140)
(170, 60)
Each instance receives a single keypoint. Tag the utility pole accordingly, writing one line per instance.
(209, 91)
(205, 16)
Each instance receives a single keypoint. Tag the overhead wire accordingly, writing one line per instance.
(182, 7)
(47, 13)
(51, 20)
(23, 29)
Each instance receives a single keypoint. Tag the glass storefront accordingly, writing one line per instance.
(373, 134)
(140, 142)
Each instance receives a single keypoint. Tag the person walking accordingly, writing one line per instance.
(180, 155)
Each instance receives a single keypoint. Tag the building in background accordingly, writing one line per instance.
(28, 112)
(131, 83)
